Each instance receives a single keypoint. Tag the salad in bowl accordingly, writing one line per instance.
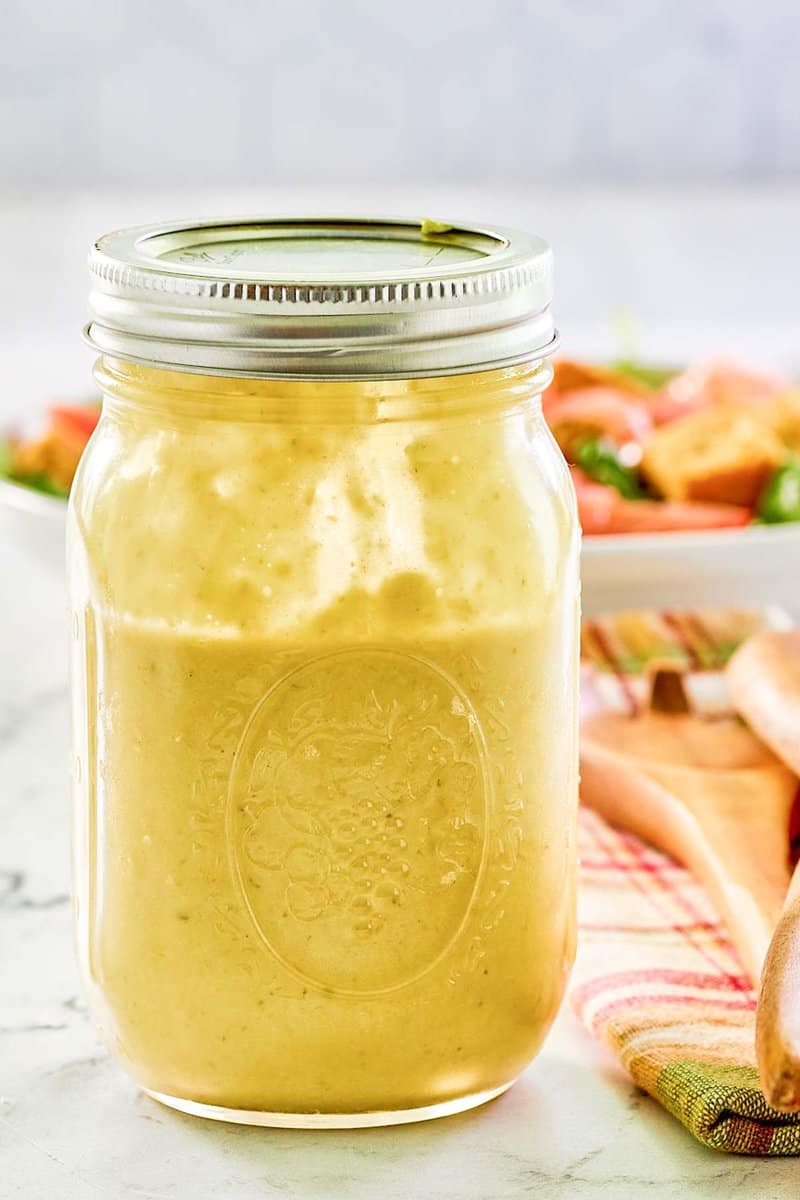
(709, 448)
(36, 473)
(46, 463)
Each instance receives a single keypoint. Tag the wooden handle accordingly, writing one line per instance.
(778, 1017)
(734, 841)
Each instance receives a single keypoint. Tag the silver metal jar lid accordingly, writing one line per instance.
(321, 298)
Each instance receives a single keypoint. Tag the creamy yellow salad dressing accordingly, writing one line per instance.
(327, 753)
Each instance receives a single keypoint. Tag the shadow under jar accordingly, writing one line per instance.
(323, 570)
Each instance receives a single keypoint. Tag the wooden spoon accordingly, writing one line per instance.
(707, 792)
(764, 682)
(778, 1013)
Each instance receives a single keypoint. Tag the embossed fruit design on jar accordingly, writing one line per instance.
(323, 572)
(370, 766)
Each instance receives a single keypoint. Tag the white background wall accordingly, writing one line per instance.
(104, 92)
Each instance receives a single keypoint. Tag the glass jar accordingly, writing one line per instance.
(325, 682)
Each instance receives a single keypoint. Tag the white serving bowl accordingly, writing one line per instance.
(730, 568)
(33, 523)
(752, 567)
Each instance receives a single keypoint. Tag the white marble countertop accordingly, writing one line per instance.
(72, 1126)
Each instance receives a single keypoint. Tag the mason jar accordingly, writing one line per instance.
(324, 592)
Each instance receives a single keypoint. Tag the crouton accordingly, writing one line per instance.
(722, 454)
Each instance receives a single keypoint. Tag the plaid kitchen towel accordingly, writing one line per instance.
(657, 979)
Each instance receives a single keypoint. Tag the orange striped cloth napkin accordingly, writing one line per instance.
(657, 978)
